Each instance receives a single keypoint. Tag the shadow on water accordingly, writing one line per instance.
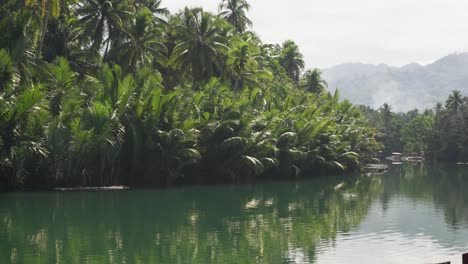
(281, 222)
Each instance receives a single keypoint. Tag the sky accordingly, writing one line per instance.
(331, 32)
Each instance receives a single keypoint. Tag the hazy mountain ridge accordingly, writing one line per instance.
(404, 88)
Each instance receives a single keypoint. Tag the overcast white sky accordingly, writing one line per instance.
(330, 32)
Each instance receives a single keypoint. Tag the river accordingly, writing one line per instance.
(411, 214)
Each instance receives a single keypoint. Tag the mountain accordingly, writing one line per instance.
(404, 88)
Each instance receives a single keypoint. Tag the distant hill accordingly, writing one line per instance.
(405, 88)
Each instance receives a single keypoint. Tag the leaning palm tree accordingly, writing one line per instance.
(234, 12)
(454, 101)
(291, 60)
(201, 48)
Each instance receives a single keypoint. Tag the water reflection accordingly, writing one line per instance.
(403, 214)
(444, 186)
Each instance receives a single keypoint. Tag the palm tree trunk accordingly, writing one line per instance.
(44, 27)
(237, 83)
(104, 58)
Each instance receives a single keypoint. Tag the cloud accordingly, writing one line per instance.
(330, 32)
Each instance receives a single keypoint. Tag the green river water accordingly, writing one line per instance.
(411, 214)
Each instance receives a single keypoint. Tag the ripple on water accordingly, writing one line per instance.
(388, 248)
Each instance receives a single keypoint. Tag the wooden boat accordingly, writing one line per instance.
(104, 188)
(395, 157)
(376, 167)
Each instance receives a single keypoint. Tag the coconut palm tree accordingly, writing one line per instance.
(454, 101)
(143, 45)
(201, 47)
(242, 63)
(291, 60)
(386, 111)
(234, 12)
(102, 21)
(313, 82)
(48, 9)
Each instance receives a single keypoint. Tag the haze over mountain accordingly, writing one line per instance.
(404, 88)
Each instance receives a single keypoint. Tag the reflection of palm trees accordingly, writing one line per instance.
(291, 217)
(443, 185)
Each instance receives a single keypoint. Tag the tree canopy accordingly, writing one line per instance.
(123, 92)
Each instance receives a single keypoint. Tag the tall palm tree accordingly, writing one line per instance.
(47, 8)
(103, 21)
(201, 48)
(386, 111)
(291, 60)
(143, 46)
(234, 12)
(438, 108)
(155, 7)
(242, 63)
(454, 101)
(63, 40)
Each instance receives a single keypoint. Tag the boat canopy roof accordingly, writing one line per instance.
(397, 154)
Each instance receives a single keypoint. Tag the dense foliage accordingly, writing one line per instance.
(96, 92)
(439, 133)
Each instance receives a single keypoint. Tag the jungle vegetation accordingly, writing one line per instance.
(439, 133)
(105, 92)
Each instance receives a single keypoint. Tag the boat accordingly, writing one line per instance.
(104, 188)
(376, 167)
(414, 158)
(395, 157)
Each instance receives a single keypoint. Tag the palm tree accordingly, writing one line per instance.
(8, 74)
(143, 47)
(60, 81)
(19, 137)
(438, 108)
(48, 7)
(313, 82)
(386, 111)
(243, 65)
(102, 21)
(17, 26)
(63, 40)
(291, 60)
(234, 12)
(454, 101)
(201, 48)
(155, 7)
